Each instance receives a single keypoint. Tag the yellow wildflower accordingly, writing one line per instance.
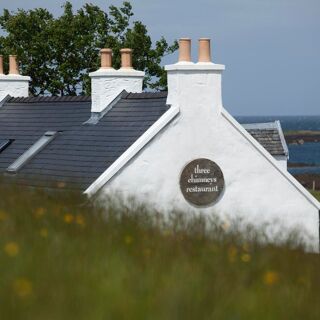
(22, 287)
(39, 212)
(80, 220)
(61, 184)
(68, 218)
(246, 257)
(3, 215)
(11, 249)
(44, 232)
(270, 278)
(128, 239)
(232, 253)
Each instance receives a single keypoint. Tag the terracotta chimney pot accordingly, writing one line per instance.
(126, 58)
(204, 50)
(13, 65)
(106, 58)
(185, 50)
(1, 64)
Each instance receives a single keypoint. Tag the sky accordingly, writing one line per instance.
(270, 48)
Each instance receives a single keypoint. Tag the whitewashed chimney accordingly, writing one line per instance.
(195, 87)
(107, 83)
(13, 84)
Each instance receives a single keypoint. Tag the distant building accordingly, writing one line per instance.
(179, 149)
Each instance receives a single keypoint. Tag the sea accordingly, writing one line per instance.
(308, 153)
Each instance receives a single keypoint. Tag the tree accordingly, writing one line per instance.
(58, 53)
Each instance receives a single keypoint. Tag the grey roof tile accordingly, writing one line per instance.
(269, 135)
(81, 152)
(50, 99)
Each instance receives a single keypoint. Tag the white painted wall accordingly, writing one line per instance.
(256, 187)
(14, 85)
(108, 83)
(282, 161)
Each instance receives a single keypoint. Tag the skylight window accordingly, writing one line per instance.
(32, 151)
(4, 144)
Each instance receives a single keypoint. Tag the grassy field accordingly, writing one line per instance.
(62, 258)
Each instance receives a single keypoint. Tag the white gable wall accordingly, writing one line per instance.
(256, 187)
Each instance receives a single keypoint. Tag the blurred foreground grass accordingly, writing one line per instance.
(62, 258)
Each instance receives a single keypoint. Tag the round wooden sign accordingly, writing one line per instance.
(202, 182)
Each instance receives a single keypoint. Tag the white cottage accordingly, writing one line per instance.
(176, 150)
(257, 185)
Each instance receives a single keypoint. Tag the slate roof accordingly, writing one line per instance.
(270, 136)
(81, 152)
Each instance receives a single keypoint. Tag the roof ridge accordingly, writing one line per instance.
(56, 99)
(147, 95)
(261, 125)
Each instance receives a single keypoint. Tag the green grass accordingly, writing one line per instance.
(301, 132)
(63, 258)
(316, 194)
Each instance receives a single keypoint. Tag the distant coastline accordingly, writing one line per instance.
(301, 165)
(301, 136)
